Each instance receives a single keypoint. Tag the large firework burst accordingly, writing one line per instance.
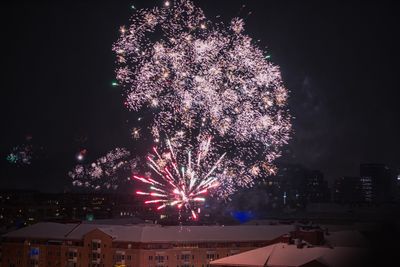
(205, 77)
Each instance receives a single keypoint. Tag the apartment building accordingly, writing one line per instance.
(94, 245)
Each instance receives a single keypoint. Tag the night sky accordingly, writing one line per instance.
(338, 59)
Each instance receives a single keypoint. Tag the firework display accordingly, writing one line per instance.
(207, 78)
(25, 153)
(105, 172)
(182, 178)
(21, 155)
(218, 108)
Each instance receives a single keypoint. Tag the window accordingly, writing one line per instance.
(96, 245)
(159, 258)
(210, 256)
(185, 257)
(72, 255)
(120, 257)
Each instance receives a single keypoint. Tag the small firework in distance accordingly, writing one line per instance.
(12, 158)
(21, 155)
(106, 172)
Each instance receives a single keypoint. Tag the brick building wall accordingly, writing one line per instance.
(97, 249)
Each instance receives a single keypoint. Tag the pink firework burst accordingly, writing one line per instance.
(182, 181)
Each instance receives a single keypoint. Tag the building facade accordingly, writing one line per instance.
(349, 190)
(91, 245)
(378, 181)
(317, 188)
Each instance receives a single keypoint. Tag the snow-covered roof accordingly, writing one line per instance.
(119, 221)
(154, 233)
(253, 258)
(43, 230)
(215, 233)
(282, 254)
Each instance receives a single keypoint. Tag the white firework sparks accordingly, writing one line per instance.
(104, 173)
(212, 78)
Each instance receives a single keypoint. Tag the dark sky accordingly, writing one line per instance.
(339, 59)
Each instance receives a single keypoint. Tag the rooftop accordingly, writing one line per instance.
(153, 233)
(282, 254)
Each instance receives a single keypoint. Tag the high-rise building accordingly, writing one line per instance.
(378, 182)
(375, 185)
(295, 186)
(291, 182)
(348, 190)
(317, 188)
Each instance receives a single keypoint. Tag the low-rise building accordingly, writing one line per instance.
(95, 245)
